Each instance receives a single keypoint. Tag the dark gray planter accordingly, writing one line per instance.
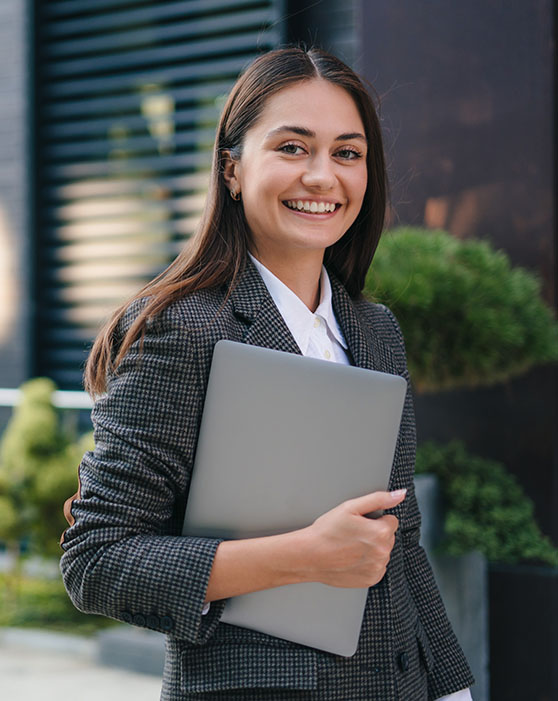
(463, 584)
(135, 649)
(523, 633)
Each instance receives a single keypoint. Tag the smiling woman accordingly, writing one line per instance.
(293, 217)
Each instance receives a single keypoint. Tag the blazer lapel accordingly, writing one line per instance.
(255, 306)
(266, 327)
(366, 348)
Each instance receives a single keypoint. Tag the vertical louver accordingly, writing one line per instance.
(128, 96)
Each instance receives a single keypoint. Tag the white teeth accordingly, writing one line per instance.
(311, 206)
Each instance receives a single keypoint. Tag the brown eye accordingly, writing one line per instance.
(291, 149)
(348, 154)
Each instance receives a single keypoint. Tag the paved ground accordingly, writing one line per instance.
(37, 666)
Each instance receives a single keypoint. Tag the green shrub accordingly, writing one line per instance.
(467, 316)
(38, 471)
(43, 603)
(485, 507)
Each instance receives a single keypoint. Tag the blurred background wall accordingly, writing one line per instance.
(15, 192)
(469, 112)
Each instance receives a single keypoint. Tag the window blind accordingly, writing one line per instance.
(128, 96)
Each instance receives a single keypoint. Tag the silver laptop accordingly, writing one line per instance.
(283, 439)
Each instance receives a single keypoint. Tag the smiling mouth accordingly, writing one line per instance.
(311, 206)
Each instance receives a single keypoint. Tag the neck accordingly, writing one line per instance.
(301, 274)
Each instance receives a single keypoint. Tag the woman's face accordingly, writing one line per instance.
(302, 174)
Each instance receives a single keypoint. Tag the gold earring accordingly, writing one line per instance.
(235, 195)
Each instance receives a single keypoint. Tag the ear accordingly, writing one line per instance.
(231, 171)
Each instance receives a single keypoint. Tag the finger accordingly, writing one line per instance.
(384, 528)
(377, 500)
(391, 522)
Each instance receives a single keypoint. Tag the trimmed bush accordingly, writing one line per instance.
(43, 603)
(38, 471)
(467, 316)
(485, 507)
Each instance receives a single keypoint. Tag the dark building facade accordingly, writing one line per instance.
(469, 107)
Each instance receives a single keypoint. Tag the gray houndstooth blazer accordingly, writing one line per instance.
(124, 556)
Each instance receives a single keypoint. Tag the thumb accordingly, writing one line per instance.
(376, 501)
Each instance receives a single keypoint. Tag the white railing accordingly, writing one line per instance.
(62, 399)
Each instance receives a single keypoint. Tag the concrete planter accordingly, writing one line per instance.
(131, 648)
(523, 633)
(463, 584)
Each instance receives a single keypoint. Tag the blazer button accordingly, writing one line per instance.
(127, 617)
(167, 624)
(153, 621)
(403, 661)
(139, 620)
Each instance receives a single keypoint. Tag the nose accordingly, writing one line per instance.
(319, 173)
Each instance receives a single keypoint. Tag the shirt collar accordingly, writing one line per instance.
(296, 314)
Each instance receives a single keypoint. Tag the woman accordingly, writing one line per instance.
(298, 180)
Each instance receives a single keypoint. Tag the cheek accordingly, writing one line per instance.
(359, 187)
(262, 182)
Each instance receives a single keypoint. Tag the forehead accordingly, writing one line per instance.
(318, 105)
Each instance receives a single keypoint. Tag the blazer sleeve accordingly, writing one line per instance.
(449, 670)
(124, 556)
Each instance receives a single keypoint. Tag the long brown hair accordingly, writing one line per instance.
(217, 252)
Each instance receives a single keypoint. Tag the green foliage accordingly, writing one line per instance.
(44, 603)
(38, 471)
(486, 509)
(8, 519)
(467, 316)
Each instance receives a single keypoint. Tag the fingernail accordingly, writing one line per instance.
(398, 493)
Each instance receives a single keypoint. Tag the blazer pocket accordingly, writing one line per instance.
(424, 647)
(242, 666)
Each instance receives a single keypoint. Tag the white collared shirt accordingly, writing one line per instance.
(463, 695)
(317, 334)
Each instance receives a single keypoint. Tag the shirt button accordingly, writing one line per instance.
(317, 323)
(327, 355)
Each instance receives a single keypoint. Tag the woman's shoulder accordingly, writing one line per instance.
(199, 308)
(383, 328)
(202, 315)
(380, 318)
(193, 309)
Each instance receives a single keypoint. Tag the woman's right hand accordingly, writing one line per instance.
(342, 548)
(348, 549)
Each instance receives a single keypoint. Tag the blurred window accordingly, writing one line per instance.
(128, 94)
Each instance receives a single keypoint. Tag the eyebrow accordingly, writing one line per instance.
(303, 131)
